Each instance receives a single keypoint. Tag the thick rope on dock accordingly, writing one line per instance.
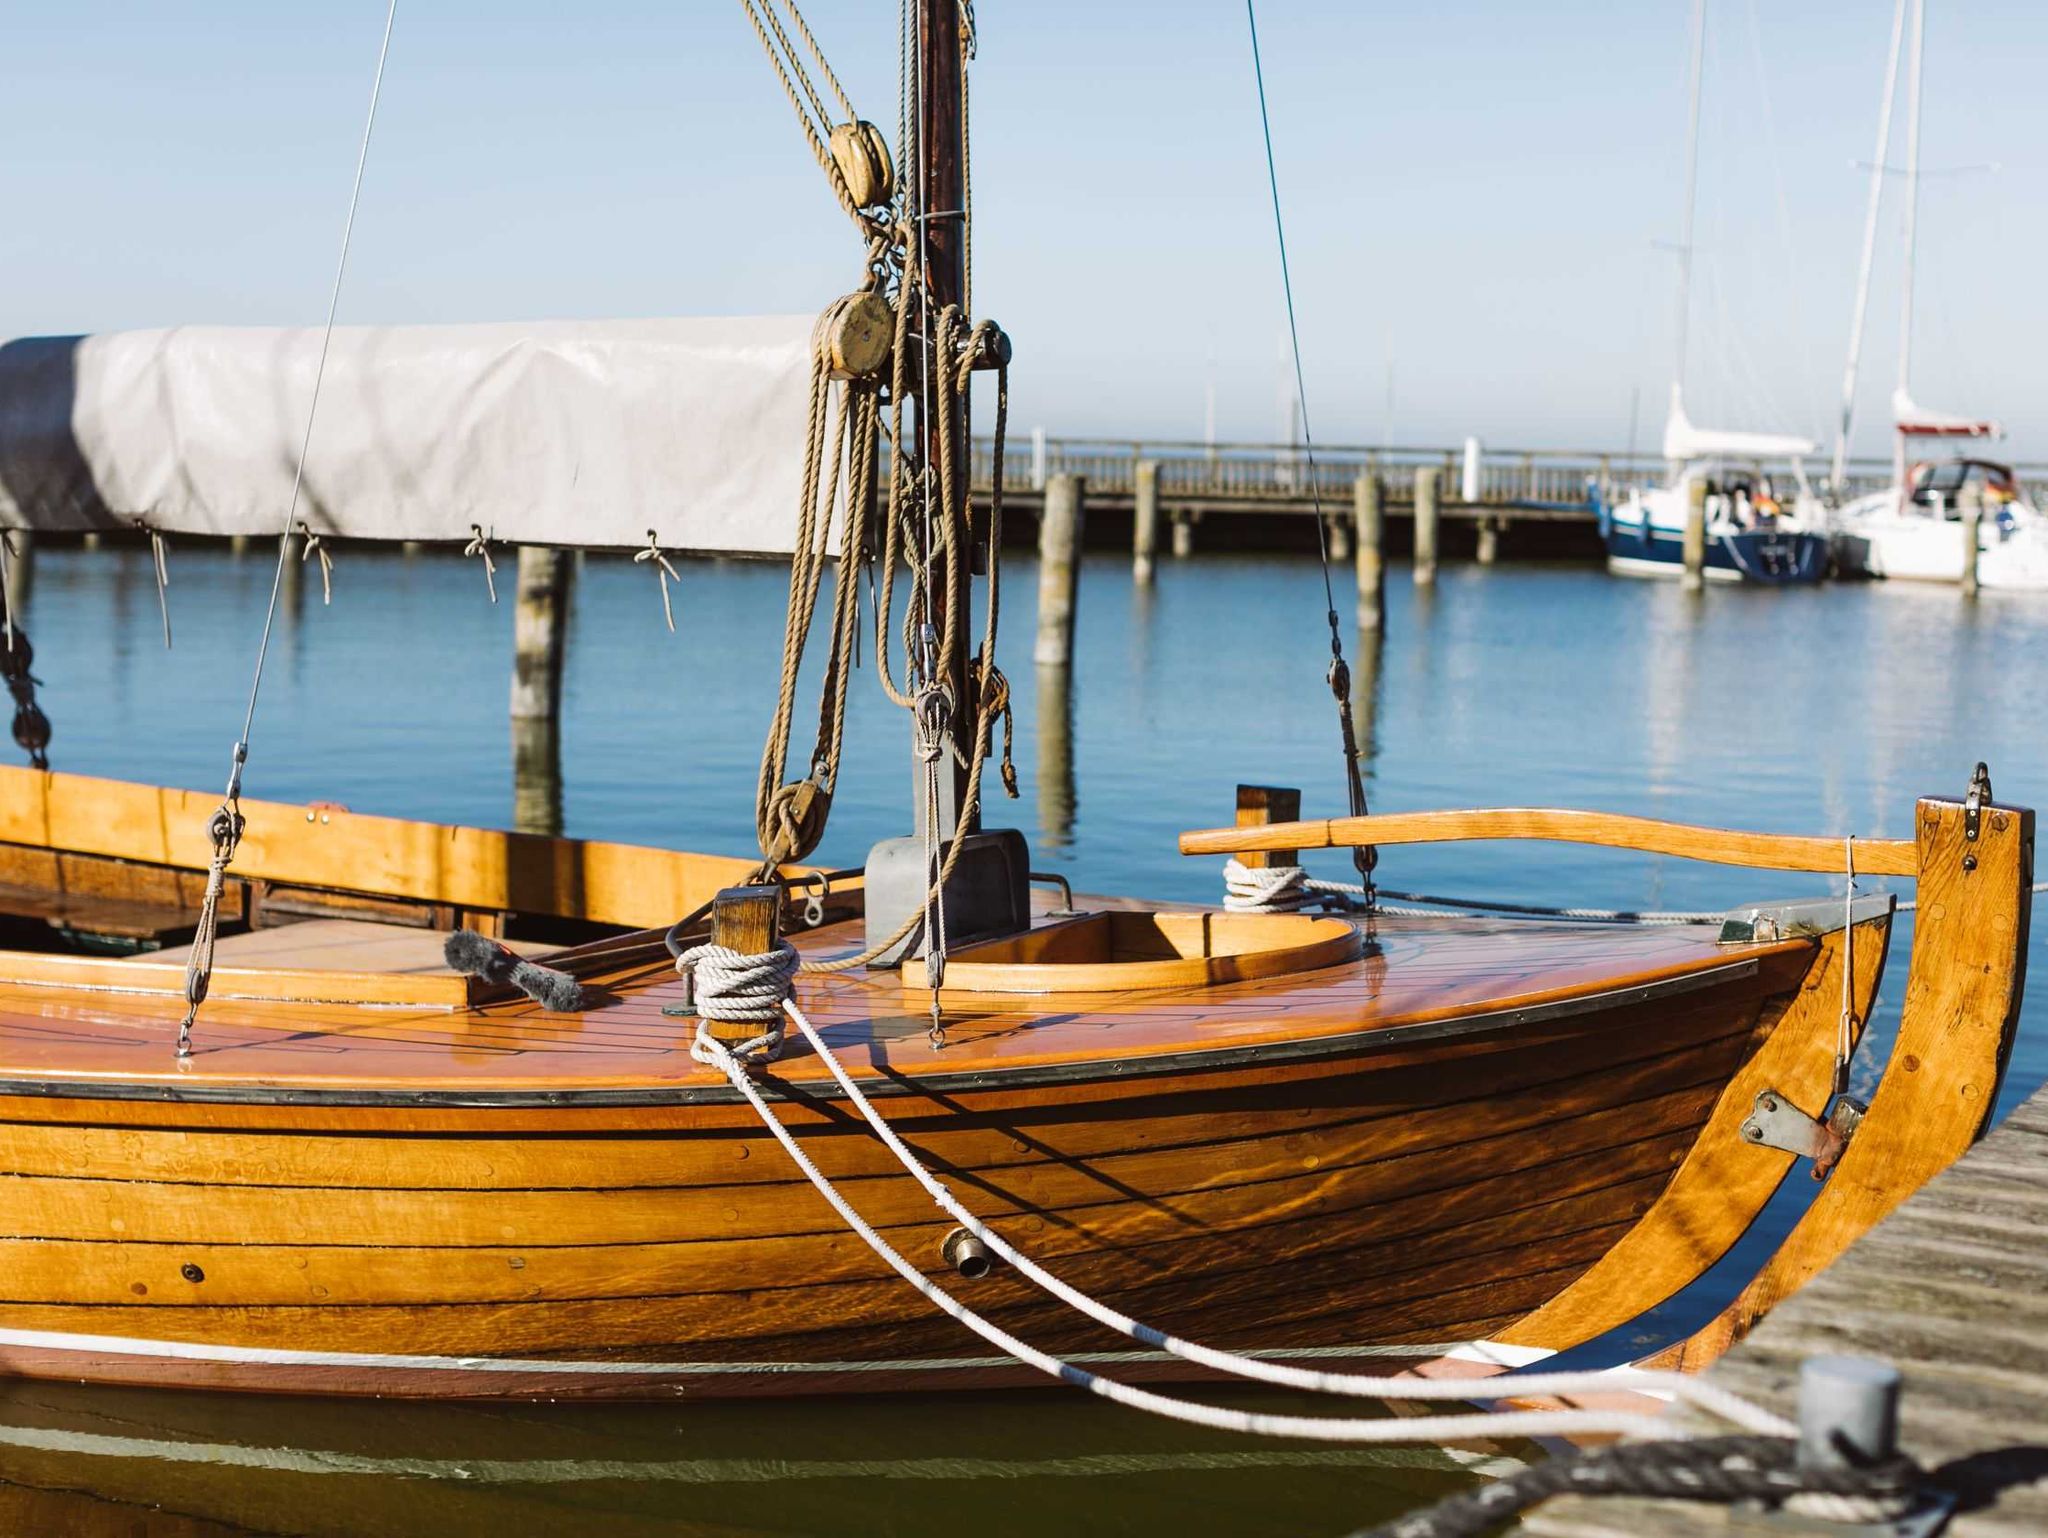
(1718, 1469)
(1665, 1459)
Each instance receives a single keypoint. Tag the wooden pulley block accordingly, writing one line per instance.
(862, 155)
(855, 334)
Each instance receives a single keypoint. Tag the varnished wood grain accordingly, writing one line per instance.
(1955, 1036)
(1435, 1127)
(1766, 851)
(1115, 952)
(477, 868)
(1725, 1181)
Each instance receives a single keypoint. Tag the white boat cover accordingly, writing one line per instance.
(1683, 441)
(1919, 421)
(583, 433)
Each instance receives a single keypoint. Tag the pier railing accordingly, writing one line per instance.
(1278, 476)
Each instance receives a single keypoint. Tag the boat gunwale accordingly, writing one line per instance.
(901, 1084)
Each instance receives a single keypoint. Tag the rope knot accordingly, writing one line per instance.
(1275, 889)
(733, 988)
(31, 726)
(480, 545)
(312, 545)
(664, 572)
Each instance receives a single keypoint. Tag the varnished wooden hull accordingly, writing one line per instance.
(1376, 1197)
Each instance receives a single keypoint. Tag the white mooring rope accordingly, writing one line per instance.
(1276, 889)
(759, 973)
(1706, 1396)
(1433, 1428)
(734, 988)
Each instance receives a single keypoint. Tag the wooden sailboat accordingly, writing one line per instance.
(1283, 1133)
(1351, 1138)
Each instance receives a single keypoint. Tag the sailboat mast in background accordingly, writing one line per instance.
(1861, 308)
(1692, 178)
(1905, 392)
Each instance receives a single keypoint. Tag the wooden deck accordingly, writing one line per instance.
(1953, 1289)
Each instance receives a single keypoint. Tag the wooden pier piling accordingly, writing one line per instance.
(1489, 541)
(1338, 531)
(1367, 514)
(21, 570)
(539, 628)
(1059, 544)
(1693, 578)
(1973, 537)
(1144, 520)
(1426, 513)
(1183, 534)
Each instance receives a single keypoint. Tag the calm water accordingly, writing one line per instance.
(1823, 711)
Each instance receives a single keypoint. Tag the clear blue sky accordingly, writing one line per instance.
(1474, 190)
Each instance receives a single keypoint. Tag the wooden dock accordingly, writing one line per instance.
(1952, 1289)
(1253, 485)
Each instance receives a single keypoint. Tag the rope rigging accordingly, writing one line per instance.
(885, 344)
(226, 826)
(1339, 675)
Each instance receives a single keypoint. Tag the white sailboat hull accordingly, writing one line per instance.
(1878, 539)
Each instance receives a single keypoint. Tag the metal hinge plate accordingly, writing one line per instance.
(1775, 1122)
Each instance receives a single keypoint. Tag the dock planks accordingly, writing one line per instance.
(1953, 1289)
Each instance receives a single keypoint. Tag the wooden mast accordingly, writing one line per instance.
(942, 229)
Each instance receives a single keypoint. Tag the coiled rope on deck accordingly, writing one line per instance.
(733, 988)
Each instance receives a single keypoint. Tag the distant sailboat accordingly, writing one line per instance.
(1913, 528)
(1762, 518)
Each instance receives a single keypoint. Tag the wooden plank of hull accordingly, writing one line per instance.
(1396, 1225)
(1724, 1181)
(1380, 1095)
(475, 868)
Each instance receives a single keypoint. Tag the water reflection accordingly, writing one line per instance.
(97, 1463)
(1365, 696)
(1055, 724)
(536, 775)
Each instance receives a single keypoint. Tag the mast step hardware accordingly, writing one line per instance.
(987, 895)
(1775, 1122)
